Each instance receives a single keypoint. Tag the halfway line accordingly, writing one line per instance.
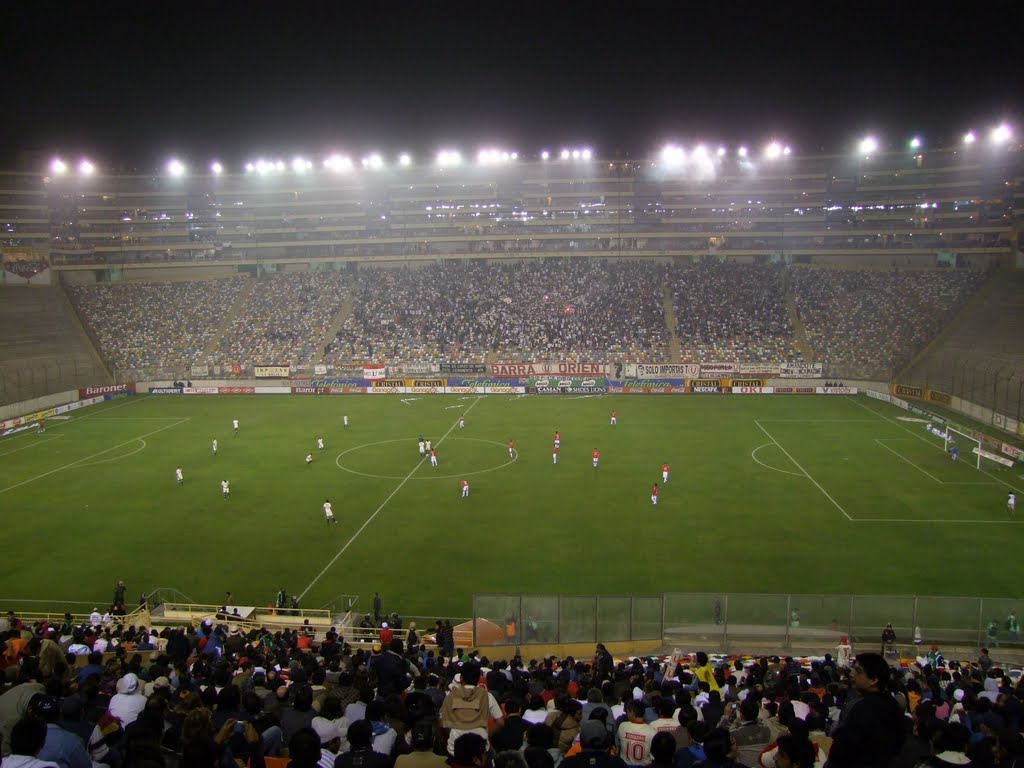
(383, 504)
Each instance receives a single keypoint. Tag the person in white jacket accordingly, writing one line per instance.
(128, 702)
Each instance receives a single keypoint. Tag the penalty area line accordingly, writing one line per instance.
(383, 504)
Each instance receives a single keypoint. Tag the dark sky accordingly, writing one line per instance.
(134, 83)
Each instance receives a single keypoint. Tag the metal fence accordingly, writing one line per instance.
(31, 381)
(995, 382)
(737, 618)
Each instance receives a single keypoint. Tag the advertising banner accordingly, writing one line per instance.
(761, 370)
(350, 390)
(647, 386)
(940, 397)
(271, 371)
(564, 381)
(798, 370)
(110, 389)
(199, 391)
(1011, 450)
(837, 390)
(744, 383)
(374, 372)
(556, 390)
(236, 390)
(273, 390)
(794, 390)
(660, 370)
(435, 383)
(385, 390)
(387, 383)
(200, 371)
(883, 396)
(710, 370)
(752, 390)
(707, 386)
(332, 383)
(454, 381)
(513, 370)
(463, 368)
(906, 391)
(490, 388)
(165, 390)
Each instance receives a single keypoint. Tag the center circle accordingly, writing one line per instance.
(431, 475)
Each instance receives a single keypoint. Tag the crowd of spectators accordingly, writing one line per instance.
(167, 324)
(543, 310)
(283, 320)
(866, 323)
(861, 322)
(214, 696)
(733, 312)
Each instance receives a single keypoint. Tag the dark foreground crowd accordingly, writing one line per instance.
(218, 697)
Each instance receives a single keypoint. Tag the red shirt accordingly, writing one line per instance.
(465, 484)
(654, 490)
(557, 436)
(510, 445)
(664, 467)
(433, 452)
(596, 455)
(386, 636)
(554, 449)
(613, 414)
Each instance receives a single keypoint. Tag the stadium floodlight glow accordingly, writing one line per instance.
(448, 157)
(545, 155)
(742, 151)
(279, 165)
(404, 160)
(586, 154)
(337, 163)
(868, 145)
(786, 151)
(720, 152)
(1001, 134)
(700, 152)
(216, 168)
(176, 168)
(575, 154)
(915, 143)
(514, 156)
(565, 154)
(86, 168)
(969, 137)
(301, 164)
(249, 167)
(673, 156)
(58, 167)
(374, 161)
(773, 151)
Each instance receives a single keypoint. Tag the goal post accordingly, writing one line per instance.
(982, 453)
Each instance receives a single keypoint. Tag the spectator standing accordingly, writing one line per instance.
(871, 731)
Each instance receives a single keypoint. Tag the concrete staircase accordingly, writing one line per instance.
(243, 296)
(674, 347)
(343, 314)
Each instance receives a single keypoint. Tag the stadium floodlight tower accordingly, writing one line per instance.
(868, 145)
(58, 167)
(216, 168)
(915, 143)
(1001, 134)
(969, 138)
(773, 151)
(86, 168)
(405, 160)
(176, 168)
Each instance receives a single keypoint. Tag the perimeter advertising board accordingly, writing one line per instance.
(647, 387)
(565, 385)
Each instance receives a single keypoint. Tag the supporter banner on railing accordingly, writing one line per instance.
(199, 391)
(374, 372)
(799, 370)
(516, 370)
(647, 387)
(320, 370)
(463, 368)
(794, 390)
(200, 371)
(165, 390)
(414, 369)
(110, 389)
(271, 371)
(659, 370)
(761, 370)
(710, 370)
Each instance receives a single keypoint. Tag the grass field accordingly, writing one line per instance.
(767, 494)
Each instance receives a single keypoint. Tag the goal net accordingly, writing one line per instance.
(982, 452)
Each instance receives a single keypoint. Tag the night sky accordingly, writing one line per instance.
(132, 84)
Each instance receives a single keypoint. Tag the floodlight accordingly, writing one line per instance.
(176, 168)
(514, 156)
(742, 151)
(969, 137)
(280, 165)
(1001, 133)
(298, 165)
(700, 152)
(404, 159)
(915, 143)
(673, 156)
(337, 163)
(545, 155)
(575, 154)
(86, 168)
(216, 168)
(448, 157)
(249, 167)
(58, 167)
(721, 152)
(786, 151)
(586, 153)
(565, 154)
(868, 145)
(773, 150)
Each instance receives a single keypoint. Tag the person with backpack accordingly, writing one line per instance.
(468, 707)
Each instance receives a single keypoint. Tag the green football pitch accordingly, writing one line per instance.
(831, 495)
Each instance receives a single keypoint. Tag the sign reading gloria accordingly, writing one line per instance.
(661, 370)
(515, 370)
(270, 371)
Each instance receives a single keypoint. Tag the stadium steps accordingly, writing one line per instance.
(344, 311)
(240, 301)
(798, 327)
(674, 347)
(980, 316)
(87, 341)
